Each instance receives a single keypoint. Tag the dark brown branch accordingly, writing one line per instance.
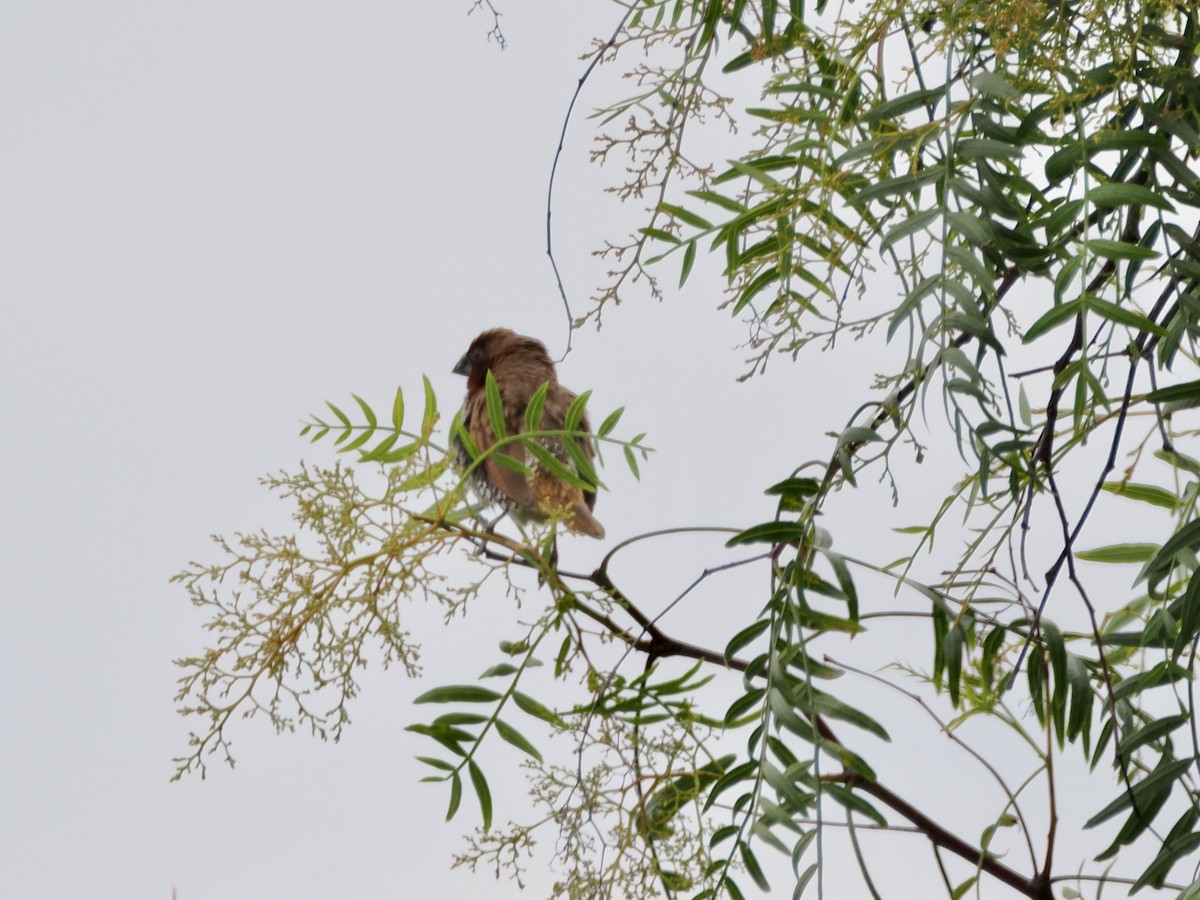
(1036, 888)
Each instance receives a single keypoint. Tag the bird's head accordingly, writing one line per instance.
(493, 348)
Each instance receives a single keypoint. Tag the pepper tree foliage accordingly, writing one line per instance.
(1005, 193)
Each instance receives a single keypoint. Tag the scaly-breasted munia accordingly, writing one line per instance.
(521, 365)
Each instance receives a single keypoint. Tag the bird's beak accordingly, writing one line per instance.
(463, 366)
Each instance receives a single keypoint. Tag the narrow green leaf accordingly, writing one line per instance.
(750, 861)
(517, 739)
(1119, 249)
(554, 465)
(753, 172)
(1182, 395)
(499, 670)
(365, 436)
(994, 85)
(342, 417)
(1184, 541)
(1166, 773)
(532, 707)
(726, 203)
(460, 693)
(452, 720)
(896, 107)
(1144, 493)
(1123, 316)
(576, 410)
(537, 403)
(1115, 193)
(776, 532)
(689, 260)
(495, 406)
(1051, 319)
(1119, 553)
(367, 411)
(744, 637)
(398, 409)
(583, 465)
(685, 216)
(908, 226)
(436, 763)
(611, 422)
(430, 417)
(455, 796)
(975, 230)
(659, 235)
(1155, 731)
(380, 450)
(631, 461)
(482, 792)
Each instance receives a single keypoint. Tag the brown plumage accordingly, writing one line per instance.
(520, 366)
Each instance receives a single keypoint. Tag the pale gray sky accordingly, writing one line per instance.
(215, 216)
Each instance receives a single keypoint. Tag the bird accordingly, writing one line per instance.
(520, 365)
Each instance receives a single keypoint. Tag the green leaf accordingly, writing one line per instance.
(495, 406)
(1144, 493)
(1119, 553)
(1181, 395)
(1052, 318)
(398, 410)
(365, 436)
(726, 203)
(659, 235)
(367, 411)
(430, 417)
(908, 226)
(611, 422)
(976, 231)
(845, 582)
(631, 461)
(342, 417)
(517, 739)
(532, 707)
(794, 491)
(455, 796)
(437, 763)
(381, 450)
(750, 861)
(499, 670)
(461, 693)
(1184, 541)
(689, 260)
(482, 792)
(1155, 731)
(1123, 316)
(745, 637)
(554, 465)
(683, 215)
(1165, 774)
(1116, 193)
(537, 403)
(575, 411)
(753, 172)
(777, 532)
(994, 85)
(1119, 249)
(853, 802)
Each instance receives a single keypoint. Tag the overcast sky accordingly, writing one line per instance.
(217, 215)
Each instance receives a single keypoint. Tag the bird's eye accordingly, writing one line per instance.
(475, 353)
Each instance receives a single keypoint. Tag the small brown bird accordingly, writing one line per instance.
(520, 366)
